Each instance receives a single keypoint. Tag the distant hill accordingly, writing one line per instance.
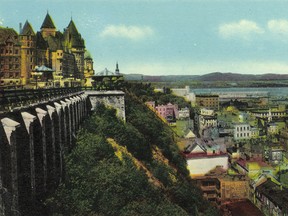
(218, 76)
(215, 76)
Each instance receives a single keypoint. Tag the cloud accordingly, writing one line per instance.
(244, 29)
(278, 27)
(1, 21)
(129, 32)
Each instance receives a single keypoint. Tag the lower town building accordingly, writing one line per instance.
(204, 155)
(271, 198)
(220, 188)
(168, 111)
(209, 101)
(234, 187)
(242, 131)
(184, 113)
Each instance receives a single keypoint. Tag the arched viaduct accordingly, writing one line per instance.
(34, 135)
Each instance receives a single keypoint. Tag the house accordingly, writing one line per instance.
(190, 135)
(271, 198)
(184, 113)
(168, 111)
(233, 187)
(219, 187)
(272, 128)
(252, 168)
(204, 155)
(206, 118)
(242, 131)
(276, 153)
(209, 101)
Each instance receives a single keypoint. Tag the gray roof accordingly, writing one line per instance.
(43, 68)
(105, 72)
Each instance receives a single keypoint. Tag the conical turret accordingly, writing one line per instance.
(48, 28)
(27, 29)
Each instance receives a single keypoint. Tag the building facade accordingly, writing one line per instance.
(63, 52)
(208, 101)
(242, 131)
(10, 57)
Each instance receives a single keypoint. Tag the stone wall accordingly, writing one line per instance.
(32, 145)
(114, 99)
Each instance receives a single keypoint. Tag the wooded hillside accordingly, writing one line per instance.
(131, 168)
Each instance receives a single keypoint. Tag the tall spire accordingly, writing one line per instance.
(27, 29)
(48, 22)
(117, 71)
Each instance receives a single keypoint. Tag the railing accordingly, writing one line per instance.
(10, 99)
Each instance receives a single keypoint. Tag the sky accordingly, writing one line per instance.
(169, 37)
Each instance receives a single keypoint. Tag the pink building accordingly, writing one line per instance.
(168, 111)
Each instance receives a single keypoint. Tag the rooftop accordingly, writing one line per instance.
(242, 208)
(276, 194)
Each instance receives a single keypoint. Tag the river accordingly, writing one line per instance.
(273, 92)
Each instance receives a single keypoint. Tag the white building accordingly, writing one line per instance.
(207, 118)
(184, 92)
(242, 131)
(207, 112)
(184, 113)
(204, 156)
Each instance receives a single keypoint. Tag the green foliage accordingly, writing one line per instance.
(99, 183)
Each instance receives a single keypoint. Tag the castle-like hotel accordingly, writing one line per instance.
(47, 58)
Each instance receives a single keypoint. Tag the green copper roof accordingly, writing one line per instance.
(48, 22)
(27, 29)
(87, 55)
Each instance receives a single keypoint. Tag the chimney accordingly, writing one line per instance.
(20, 28)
